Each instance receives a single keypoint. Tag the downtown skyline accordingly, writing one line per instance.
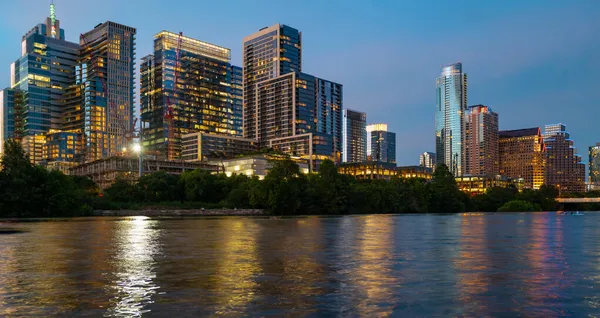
(522, 87)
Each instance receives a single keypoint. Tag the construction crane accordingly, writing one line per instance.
(168, 116)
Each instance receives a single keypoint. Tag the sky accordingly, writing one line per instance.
(533, 62)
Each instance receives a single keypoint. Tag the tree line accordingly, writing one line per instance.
(32, 191)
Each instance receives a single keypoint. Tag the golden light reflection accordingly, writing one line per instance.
(472, 263)
(548, 267)
(137, 245)
(236, 272)
(374, 274)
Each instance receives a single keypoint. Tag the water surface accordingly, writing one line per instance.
(532, 265)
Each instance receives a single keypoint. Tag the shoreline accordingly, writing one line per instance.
(182, 212)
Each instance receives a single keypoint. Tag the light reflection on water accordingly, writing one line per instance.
(534, 265)
(137, 244)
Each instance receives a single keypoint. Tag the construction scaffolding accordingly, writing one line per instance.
(105, 172)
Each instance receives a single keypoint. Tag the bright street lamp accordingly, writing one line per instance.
(137, 148)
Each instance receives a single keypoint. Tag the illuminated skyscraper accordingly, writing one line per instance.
(427, 160)
(285, 109)
(523, 156)
(449, 126)
(39, 79)
(107, 77)
(206, 98)
(564, 169)
(382, 143)
(354, 135)
(594, 165)
(481, 141)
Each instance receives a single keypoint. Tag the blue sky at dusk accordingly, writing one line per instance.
(534, 62)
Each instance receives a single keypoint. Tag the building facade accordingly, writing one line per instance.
(481, 142)
(382, 143)
(564, 168)
(427, 160)
(108, 80)
(594, 165)
(267, 54)
(451, 104)
(204, 146)
(354, 136)
(291, 111)
(523, 156)
(206, 97)
(35, 102)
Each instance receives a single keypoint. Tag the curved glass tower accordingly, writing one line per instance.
(449, 127)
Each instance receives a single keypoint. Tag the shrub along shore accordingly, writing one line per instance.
(32, 191)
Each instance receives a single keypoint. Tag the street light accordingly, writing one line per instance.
(138, 149)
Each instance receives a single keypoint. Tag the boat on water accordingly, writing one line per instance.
(574, 213)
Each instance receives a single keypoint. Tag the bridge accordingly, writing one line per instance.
(578, 200)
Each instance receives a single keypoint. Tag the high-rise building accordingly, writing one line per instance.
(43, 72)
(354, 136)
(285, 109)
(594, 165)
(480, 142)
(12, 110)
(451, 105)
(427, 160)
(267, 54)
(564, 169)
(207, 97)
(107, 68)
(523, 156)
(237, 94)
(382, 143)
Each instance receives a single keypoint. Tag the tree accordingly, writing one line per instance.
(159, 187)
(283, 186)
(444, 194)
(519, 206)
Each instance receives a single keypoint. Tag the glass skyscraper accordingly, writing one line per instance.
(206, 98)
(427, 160)
(594, 165)
(108, 81)
(382, 143)
(354, 135)
(451, 103)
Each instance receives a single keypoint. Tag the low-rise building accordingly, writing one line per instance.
(408, 172)
(480, 184)
(200, 146)
(256, 165)
(105, 172)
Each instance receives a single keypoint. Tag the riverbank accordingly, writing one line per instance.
(182, 212)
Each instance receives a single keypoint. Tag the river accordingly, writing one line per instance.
(533, 265)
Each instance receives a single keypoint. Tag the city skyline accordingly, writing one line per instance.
(529, 75)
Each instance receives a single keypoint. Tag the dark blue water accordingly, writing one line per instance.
(531, 265)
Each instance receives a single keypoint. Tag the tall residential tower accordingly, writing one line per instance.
(382, 143)
(354, 136)
(564, 169)
(451, 103)
(481, 141)
(285, 109)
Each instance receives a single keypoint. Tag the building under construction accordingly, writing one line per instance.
(187, 86)
(104, 172)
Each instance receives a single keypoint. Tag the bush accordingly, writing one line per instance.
(519, 206)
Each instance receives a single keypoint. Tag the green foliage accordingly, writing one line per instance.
(444, 194)
(32, 191)
(519, 206)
